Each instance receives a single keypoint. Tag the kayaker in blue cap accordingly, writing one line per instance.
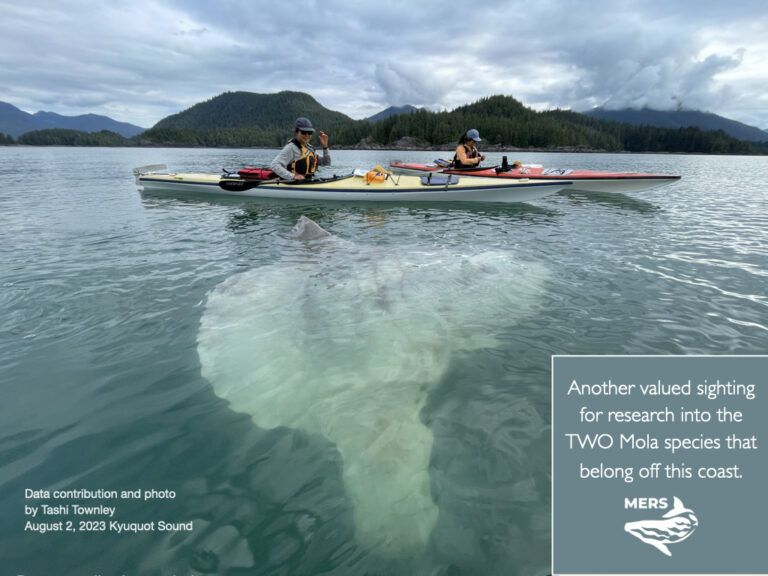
(298, 159)
(467, 155)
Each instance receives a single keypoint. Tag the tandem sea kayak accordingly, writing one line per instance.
(359, 186)
(583, 180)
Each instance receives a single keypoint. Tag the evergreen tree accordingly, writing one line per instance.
(64, 137)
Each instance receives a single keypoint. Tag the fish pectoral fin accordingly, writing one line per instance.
(660, 546)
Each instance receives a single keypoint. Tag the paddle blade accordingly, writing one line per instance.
(237, 184)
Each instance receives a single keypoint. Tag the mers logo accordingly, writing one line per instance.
(674, 526)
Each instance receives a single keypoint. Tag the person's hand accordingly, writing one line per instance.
(323, 139)
(298, 176)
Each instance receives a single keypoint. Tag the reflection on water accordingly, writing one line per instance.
(377, 214)
(619, 201)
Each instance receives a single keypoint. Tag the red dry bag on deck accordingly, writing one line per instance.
(251, 173)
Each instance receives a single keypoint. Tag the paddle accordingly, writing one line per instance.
(468, 171)
(241, 185)
(448, 167)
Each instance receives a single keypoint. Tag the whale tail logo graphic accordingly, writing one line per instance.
(675, 526)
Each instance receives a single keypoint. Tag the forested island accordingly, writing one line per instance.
(245, 119)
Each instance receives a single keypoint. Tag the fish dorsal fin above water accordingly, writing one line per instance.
(307, 229)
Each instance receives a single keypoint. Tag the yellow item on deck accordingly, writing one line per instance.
(374, 176)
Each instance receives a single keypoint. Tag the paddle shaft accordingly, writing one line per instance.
(242, 184)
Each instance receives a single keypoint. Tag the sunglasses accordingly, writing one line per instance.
(305, 133)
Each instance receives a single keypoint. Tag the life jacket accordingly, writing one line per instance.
(471, 153)
(307, 164)
(374, 176)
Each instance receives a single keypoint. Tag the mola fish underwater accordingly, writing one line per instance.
(347, 342)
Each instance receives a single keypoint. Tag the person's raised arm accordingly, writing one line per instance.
(325, 159)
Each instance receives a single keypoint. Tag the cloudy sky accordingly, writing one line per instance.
(141, 60)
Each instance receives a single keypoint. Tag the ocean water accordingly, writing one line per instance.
(123, 317)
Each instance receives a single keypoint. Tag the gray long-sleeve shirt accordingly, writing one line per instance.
(288, 154)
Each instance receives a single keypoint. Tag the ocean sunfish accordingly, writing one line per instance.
(348, 343)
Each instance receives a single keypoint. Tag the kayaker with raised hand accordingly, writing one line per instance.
(467, 155)
(298, 159)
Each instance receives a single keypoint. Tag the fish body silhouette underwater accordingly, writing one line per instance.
(347, 341)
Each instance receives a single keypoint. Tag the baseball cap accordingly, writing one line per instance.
(474, 134)
(305, 125)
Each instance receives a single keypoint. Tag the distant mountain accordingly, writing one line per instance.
(681, 119)
(497, 105)
(245, 119)
(392, 111)
(15, 122)
(248, 109)
(89, 123)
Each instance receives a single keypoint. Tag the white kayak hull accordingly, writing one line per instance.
(619, 186)
(354, 188)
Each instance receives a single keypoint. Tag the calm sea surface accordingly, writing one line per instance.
(127, 319)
